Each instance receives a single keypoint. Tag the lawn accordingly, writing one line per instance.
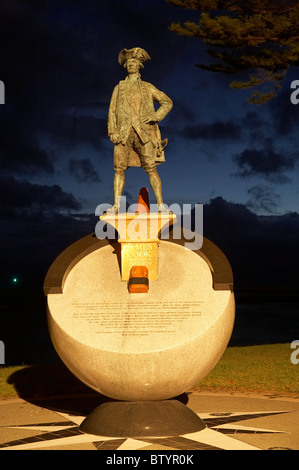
(255, 368)
(6, 389)
(265, 368)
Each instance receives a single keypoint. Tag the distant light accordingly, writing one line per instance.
(15, 280)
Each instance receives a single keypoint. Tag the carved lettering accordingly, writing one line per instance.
(138, 318)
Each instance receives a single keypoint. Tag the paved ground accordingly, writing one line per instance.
(233, 421)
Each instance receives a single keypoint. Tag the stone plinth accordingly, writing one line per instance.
(139, 347)
(139, 239)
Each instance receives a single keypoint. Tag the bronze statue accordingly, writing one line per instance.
(133, 125)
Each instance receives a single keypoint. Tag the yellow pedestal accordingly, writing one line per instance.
(138, 236)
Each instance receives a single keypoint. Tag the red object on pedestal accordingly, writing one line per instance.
(138, 281)
(143, 201)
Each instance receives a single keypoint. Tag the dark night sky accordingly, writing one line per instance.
(59, 66)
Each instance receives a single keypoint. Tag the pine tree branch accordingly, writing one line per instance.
(257, 36)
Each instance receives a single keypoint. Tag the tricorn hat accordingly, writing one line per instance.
(134, 53)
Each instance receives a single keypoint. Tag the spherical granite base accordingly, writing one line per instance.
(141, 347)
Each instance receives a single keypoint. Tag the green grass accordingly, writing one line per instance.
(265, 368)
(6, 389)
(255, 368)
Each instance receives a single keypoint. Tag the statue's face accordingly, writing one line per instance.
(133, 65)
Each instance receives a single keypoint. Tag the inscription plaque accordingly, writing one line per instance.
(139, 254)
(136, 319)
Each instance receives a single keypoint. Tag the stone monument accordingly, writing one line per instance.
(139, 318)
(133, 125)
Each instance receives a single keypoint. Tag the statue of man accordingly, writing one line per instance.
(133, 125)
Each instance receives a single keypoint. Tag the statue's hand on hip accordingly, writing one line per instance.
(150, 119)
(115, 138)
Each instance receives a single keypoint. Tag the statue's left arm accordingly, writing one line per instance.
(164, 101)
(165, 105)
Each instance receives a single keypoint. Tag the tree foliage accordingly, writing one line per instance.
(256, 37)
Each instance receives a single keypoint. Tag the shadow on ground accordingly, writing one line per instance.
(54, 387)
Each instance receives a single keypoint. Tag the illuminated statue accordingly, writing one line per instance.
(133, 125)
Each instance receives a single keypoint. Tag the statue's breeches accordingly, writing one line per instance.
(134, 153)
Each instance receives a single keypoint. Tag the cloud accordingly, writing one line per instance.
(262, 199)
(66, 130)
(217, 130)
(252, 120)
(20, 198)
(181, 112)
(83, 170)
(265, 162)
(19, 147)
(261, 249)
